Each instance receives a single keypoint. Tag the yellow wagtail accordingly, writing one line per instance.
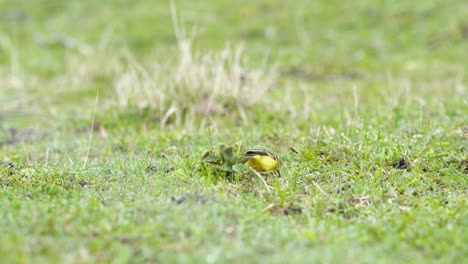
(262, 160)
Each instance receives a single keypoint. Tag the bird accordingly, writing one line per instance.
(262, 160)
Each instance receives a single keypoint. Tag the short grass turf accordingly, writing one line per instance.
(368, 114)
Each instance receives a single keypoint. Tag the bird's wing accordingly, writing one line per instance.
(261, 152)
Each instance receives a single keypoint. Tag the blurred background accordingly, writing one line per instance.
(190, 64)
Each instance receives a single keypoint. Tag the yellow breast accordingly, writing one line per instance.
(262, 163)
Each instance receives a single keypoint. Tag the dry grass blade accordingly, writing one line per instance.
(268, 187)
(319, 188)
(224, 77)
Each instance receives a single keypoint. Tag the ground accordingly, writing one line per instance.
(109, 108)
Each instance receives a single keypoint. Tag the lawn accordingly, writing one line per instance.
(108, 111)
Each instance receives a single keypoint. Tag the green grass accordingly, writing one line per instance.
(365, 103)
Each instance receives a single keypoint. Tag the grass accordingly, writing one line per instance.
(365, 103)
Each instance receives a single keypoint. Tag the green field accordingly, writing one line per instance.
(108, 107)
